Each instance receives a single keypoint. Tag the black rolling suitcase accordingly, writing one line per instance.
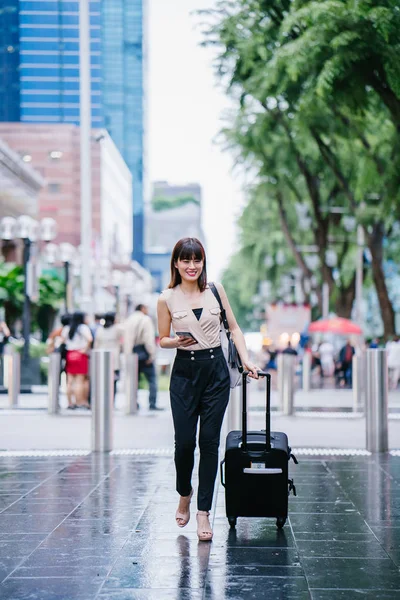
(256, 476)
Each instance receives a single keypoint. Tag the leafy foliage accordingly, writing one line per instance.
(11, 291)
(51, 293)
(317, 87)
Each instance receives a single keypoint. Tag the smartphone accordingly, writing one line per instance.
(186, 334)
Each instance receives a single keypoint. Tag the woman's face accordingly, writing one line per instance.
(189, 270)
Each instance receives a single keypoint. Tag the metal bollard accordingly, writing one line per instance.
(376, 410)
(234, 412)
(131, 383)
(358, 373)
(286, 382)
(102, 387)
(13, 378)
(53, 382)
(280, 375)
(306, 371)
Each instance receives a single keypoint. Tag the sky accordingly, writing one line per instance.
(185, 107)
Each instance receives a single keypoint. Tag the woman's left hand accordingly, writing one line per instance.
(252, 369)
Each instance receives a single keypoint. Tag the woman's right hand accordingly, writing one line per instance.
(184, 342)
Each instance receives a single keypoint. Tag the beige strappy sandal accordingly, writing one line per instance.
(204, 533)
(184, 517)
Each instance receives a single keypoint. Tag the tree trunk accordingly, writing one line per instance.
(375, 245)
(388, 97)
(345, 300)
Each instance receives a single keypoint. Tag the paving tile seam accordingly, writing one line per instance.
(26, 493)
(325, 466)
(41, 577)
(299, 555)
(356, 589)
(125, 543)
(48, 535)
(383, 560)
(301, 451)
(388, 474)
(366, 523)
(214, 510)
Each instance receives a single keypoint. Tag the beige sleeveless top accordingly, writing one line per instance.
(207, 330)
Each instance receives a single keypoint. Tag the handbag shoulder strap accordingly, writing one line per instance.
(214, 290)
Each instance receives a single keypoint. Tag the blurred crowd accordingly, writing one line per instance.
(329, 362)
(77, 337)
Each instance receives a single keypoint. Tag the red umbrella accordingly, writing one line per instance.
(335, 325)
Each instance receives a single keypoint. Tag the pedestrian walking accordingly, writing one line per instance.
(200, 383)
(78, 340)
(140, 338)
(54, 340)
(345, 365)
(290, 350)
(326, 354)
(109, 337)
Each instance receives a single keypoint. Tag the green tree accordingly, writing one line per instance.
(343, 145)
(51, 296)
(160, 203)
(342, 50)
(11, 292)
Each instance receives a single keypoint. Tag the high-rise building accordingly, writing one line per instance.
(123, 24)
(20, 184)
(174, 213)
(39, 74)
(53, 150)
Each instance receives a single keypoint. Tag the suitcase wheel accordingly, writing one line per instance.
(280, 521)
(232, 522)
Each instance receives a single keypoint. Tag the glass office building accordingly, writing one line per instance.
(39, 74)
(123, 95)
(41, 60)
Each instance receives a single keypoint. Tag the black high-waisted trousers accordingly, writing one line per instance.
(199, 388)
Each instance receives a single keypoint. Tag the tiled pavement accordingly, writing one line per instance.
(101, 526)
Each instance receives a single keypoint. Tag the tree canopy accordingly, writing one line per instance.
(317, 92)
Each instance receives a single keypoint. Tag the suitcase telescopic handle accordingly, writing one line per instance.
(267, 410)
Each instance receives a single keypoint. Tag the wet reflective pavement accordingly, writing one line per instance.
(103, 527)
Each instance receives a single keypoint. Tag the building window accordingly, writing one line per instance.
(54, 188)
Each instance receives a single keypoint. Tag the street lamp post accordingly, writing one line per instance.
(85, 155)
(359, 274)
(27, 231)
(116, 279)
(67, 255)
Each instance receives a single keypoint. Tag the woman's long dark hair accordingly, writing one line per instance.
(77, 319)
(188, 249)
(109, 320)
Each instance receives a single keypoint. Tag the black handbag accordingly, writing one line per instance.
(140, 350)
(231, 354)
(62, 349)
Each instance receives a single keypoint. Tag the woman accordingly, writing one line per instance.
(199, 386)
(109, 337)
(78, 339)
